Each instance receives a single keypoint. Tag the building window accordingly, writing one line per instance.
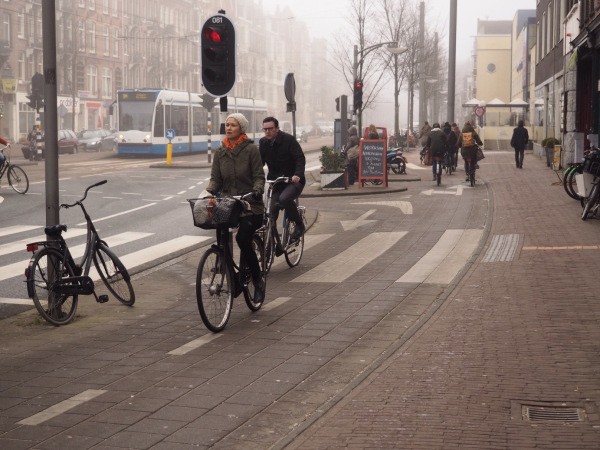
(106, 41)
(81, 36)
(106, 83)
(491, 67)
(21, 65)
(92, 77)
(91, 34)
(21, 25)
(6, 30)
(92, 4)
(115, 42)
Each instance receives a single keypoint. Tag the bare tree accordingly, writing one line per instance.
(364, 31)
(394, 16)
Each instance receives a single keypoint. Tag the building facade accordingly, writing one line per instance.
(107, 45)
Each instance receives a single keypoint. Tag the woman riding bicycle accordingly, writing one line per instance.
(468, 141)
(5, 143)
(236, 170)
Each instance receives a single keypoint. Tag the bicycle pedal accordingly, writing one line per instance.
(102, 298)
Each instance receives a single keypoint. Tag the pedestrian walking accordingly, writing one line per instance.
(519, 140)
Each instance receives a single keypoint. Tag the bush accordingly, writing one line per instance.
(550, 142)
(331, 161)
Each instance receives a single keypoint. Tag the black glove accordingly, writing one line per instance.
(257, 196)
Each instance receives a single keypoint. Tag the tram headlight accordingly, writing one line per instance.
(122, 138)
(147, 138)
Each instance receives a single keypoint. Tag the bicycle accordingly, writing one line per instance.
(470, 167)
(17, 178)
(276, 244)
(591, 180)
(569, 181)
(219, 279)
(54, 280)
(438, 169)
(448, 163)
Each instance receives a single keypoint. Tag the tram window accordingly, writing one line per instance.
(159, 120)
(177, 119)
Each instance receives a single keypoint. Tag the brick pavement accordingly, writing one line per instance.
(514, 337)
(509, 334)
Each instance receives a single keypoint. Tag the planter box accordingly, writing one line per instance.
(334, 181)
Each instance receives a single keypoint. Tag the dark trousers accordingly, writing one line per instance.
(285, 199)
(519, 154)
(248, 225)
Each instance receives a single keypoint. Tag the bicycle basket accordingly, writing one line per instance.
(210, 213)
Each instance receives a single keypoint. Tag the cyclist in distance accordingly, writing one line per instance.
(237, 169)
(284, 157)
(468, 141)
(2, 157)
(438, 145)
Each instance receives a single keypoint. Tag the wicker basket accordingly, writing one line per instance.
(211, 213)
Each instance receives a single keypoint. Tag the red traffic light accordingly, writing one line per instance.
(358, 85)
(213, 35)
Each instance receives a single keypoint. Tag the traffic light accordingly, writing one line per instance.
(36, 101)
(358, 95)
(337, 104)
(218, 55)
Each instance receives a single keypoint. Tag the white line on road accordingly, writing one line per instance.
(62, 407)
(447, 257)
(192, 345)
(16, 301)
(17, 246)
(351, 260)
(17, 229)
(310, 240)
(118, 214)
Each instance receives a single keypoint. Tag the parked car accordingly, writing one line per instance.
(96, 140)
(67, 143)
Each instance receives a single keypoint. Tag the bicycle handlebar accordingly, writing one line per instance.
(78, 202)
(279, 180)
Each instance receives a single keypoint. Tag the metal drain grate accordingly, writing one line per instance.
(552, 413)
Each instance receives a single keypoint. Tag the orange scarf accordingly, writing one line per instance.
(231, 145)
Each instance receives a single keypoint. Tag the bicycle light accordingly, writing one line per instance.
(32, 247)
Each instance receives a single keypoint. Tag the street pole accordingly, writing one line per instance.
(50, 113)
(356, 115)
(452, 61)
(422, 95)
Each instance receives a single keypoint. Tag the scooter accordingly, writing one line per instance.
(396, 161)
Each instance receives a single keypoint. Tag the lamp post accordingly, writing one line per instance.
(392, 48)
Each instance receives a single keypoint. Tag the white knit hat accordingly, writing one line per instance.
(240, 119)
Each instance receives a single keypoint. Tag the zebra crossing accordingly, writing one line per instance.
(148, 253)
(439, 265)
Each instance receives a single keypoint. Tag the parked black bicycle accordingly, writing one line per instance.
(17, 178)
(55, 280)
(591, 183)
(219, 279)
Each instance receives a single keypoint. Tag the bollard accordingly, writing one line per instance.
(169, 153)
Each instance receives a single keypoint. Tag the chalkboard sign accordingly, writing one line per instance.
(372, 163)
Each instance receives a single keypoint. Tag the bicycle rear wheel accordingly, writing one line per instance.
(295, 249)
(438, 176)
(590, 202)
(258, 247)
(17, 178)
(114, 275)
(47, 268)
(570, 182)
(214, 290)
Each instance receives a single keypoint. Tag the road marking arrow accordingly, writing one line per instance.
(459, 191)
(405, 207)
(353, 224)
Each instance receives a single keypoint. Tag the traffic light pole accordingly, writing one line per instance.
(50, 111)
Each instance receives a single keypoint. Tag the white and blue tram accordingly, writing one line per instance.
(143, 116)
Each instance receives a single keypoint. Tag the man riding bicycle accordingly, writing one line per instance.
(284, 157)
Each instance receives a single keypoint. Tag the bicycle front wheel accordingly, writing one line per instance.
(214, 290)
(439, 174)
(114, 275)
(17, 178)
(46, 271)
(269, 250)
(295, 249)
(258, 247)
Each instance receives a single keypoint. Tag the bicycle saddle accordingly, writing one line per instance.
(55, 230)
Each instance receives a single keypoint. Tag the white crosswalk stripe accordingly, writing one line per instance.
(18, 246)
(445, 260)
(351, 260)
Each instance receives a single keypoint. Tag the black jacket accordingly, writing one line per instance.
(284, 156)
(519, 138)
